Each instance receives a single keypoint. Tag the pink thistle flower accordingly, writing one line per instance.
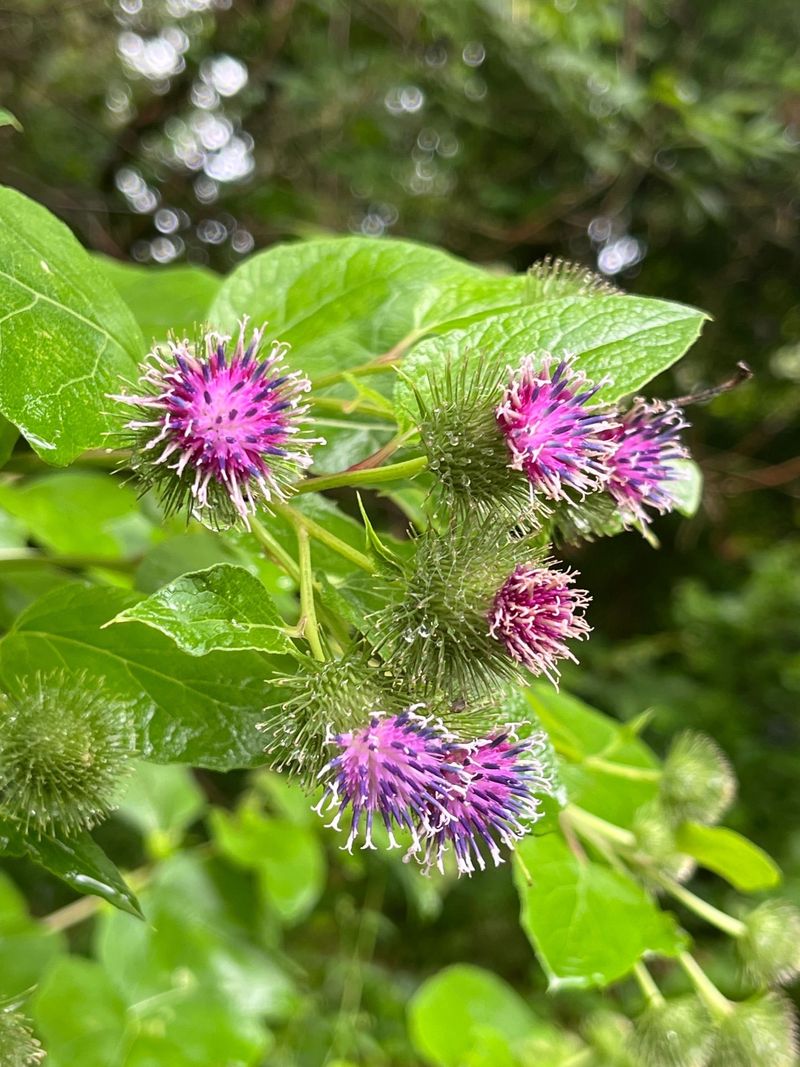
(396, 769)
(553, 433)
(642, 466)
(535, 613)
(219, 432)
(492, 802)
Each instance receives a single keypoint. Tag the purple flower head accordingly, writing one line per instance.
(642, 465)
(221, 430)
(535, 613)
(554, 434)
(394, 769)
(493, 797)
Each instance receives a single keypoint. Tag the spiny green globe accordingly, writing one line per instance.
(65, 745)
(18, 1046)
(675, 1033)
(758, 1031)
(770, 945)
(698, 783)
(320, 700)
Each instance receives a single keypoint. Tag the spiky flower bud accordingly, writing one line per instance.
(65, 746)
(655, 840)
(755, 1032)
(608, 1033)
(394, 770)
(493, 799)
(697, 782)
(555, 435)
(478, 605)
(554, 278)
(643, 464)
(331, 697)
(535, 613)
(770, 945)
(675, 1033)
(18, 1046)
(436, 635)
(219, 434)
(467, 452)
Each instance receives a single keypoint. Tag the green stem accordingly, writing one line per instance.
(275, 549)
(727, 923)
(309, 615)
(336, 403)
(392, 472)
(378, 365)
(325, 537)
(623, 770)
(718, 1005)
(652, 993)
(592, 824)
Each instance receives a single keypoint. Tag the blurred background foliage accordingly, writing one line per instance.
(654, 140)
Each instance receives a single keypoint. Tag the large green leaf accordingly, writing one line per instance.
(222, 608)
(746, 866)
(629, 339)
(591, 747)
(164, 299)
(463, 1007)
(340, 301)
(84, 1020)
(66, 336)
(588, 923)
(191, 709)
(80, 513)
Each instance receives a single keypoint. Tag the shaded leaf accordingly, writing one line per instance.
(589, 924)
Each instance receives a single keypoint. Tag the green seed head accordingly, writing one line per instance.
(65, 746)
(756, 1032)
(770, 946)
(18, 1046)
(676, 1033)
(608, 1033)
(655, 838)
(698, 783)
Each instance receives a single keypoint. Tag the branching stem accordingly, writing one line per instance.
(325, 537)
(727, 923)
(392, 472)
(309, 615)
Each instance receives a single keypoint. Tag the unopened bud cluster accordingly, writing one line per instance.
(220, 431)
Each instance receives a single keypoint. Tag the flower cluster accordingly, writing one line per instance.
(219, 431)
(567, 445)
(409, 774)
